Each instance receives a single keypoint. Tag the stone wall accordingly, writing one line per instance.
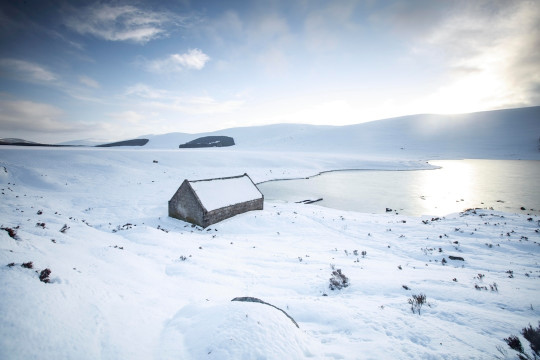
(218, 215)
(185, 206)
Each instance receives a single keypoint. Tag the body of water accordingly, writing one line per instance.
(505, 185)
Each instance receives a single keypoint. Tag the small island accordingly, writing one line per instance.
(209, 141)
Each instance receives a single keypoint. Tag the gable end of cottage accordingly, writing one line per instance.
(186, 206)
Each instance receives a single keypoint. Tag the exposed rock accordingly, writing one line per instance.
(209, 141)
(255, 300)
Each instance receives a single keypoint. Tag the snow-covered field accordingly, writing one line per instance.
(128, 282)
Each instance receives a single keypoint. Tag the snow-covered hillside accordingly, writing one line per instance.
(511, 133)
(128, 282)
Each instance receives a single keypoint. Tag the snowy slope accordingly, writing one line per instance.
(128, 282)
(512, 133)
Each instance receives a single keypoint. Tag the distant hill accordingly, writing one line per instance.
(498, 134)
(14, 141)
(209, 141)
(83, 142)
(22, 142)
(509, 133)
(134, 142)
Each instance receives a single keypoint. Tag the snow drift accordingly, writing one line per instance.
(232, 330)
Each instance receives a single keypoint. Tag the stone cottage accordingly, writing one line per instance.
(206, 202)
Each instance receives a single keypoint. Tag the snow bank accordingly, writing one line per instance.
(232, 330)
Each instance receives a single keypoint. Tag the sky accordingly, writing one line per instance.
(115, 70)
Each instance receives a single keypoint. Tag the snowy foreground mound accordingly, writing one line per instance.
(127, 282)
(232, 330)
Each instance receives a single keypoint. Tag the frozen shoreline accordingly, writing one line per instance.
(338, 170)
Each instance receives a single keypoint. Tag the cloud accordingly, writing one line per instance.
(153, 99)
(415, 17)
(193, 59)
(88, 81)
(26, 71)
(206, 105)
(145, 91)
(47, 123)
(330, 26)
(270, 27)
(502, 47)
(22, 115)
(56, 35)
(196, 105)
(129, 116)
(121, 22)
(482, 53)
(219, 30)
(274, 61)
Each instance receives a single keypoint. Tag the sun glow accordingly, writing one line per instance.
(447, 191)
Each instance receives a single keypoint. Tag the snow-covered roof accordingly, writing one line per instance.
(217, 193)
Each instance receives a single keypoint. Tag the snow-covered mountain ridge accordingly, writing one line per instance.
(510, 133)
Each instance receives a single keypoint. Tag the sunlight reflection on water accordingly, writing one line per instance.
(505, 185)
